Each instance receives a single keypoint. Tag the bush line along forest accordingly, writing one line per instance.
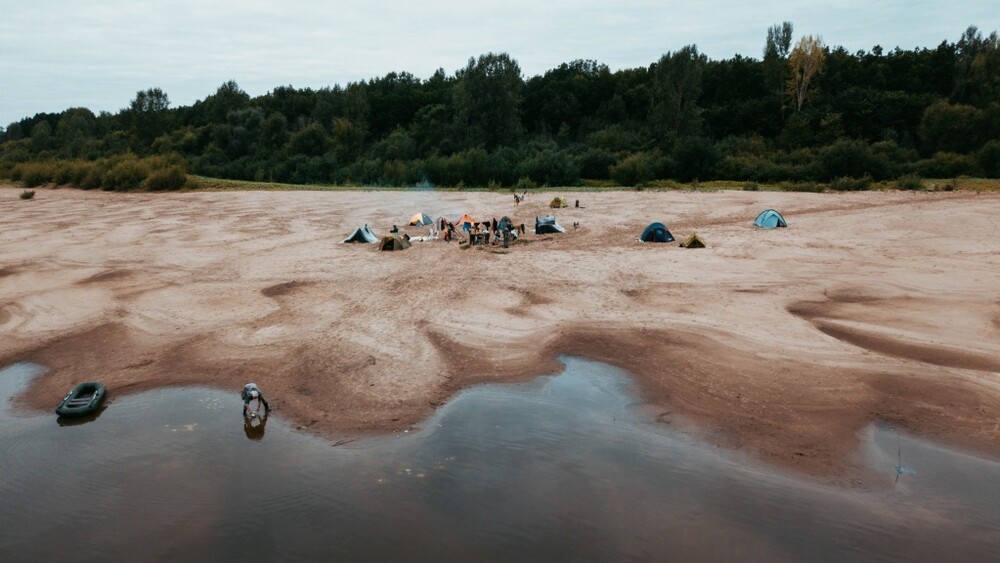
(802, 114)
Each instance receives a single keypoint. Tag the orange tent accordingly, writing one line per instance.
(465, 219)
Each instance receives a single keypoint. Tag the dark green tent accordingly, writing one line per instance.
(656, 232)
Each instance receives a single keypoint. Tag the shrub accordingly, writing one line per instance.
(36, 173)
(525, 183)
(551, 167)
(851, 159)
(171, 178)
(634, 170)
(693, 158)
(848, 184)
(802, 187)
(69, 172)
(27, 194)
(946, 165)
(909, 182)
(93, 177)
(126, 175)
(988, 158)
(595, 164)
(951, 127)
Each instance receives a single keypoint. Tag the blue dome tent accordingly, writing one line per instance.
(769, 219)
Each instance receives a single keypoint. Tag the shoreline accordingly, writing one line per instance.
(782, 344)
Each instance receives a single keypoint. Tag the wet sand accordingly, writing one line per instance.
(783, 344)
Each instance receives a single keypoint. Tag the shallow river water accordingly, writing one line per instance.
(567, 467)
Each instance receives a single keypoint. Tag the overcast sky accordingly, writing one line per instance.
(56, 54)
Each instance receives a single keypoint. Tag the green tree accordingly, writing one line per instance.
(15, 132)
(776, 49)
(274, 131)
(148, 115)
(984, 72)
(487, 100)
(676, 89)
(311, 141)
(75, 127)
(950, 127)
(41, 137)
(228, 97)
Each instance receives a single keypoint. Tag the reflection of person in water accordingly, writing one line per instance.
(254, 427)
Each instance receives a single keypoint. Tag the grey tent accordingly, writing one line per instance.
(362, 234)
(547, 224)
(656, 232)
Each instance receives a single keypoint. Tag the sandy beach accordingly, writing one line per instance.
(784, 344)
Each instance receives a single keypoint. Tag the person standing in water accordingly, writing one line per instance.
(249, 393)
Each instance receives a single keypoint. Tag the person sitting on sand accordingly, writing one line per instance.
(249, 393)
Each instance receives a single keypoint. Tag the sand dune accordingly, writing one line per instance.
(783, 343)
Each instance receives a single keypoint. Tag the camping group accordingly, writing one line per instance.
(467, 230)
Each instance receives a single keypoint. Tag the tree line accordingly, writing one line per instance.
(802, 112)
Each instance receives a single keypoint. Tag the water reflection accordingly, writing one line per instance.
(254, 427)
(565, 467)
(78, 420)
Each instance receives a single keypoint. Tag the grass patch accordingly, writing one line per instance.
(909, 182)
(27, 194)
(848, 184)
(964, 184)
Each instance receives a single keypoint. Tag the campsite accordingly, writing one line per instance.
(258, 286)
(774, 359)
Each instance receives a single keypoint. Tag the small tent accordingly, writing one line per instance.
(547, 224)
(769, 219)
(421, 219)
(393, 242)
(465, 222)
(693, 241)
(558, 202)
(362, 234)
(656, 232)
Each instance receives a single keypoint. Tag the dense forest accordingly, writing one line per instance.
(802, 112)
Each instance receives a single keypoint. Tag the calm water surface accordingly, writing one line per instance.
(568, 467)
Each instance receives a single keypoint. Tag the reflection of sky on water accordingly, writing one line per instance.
(565, 467)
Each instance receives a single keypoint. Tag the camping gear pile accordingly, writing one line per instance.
(546, 225)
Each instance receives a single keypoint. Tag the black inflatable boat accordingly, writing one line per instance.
(84, 399)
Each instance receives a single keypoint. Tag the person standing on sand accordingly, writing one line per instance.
(249, 393)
